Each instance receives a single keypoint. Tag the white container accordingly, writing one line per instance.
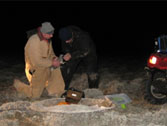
(119, 99)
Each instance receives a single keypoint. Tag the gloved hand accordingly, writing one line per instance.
(67, 57)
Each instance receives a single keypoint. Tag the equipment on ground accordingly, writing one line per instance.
(74, 96)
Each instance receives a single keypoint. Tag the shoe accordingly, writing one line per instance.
(16, 84)
(20, 88)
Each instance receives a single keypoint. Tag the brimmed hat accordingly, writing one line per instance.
(47, 28)
(65, 34)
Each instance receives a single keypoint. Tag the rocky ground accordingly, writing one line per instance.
(116, 76)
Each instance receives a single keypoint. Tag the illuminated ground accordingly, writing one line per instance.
(116, 76)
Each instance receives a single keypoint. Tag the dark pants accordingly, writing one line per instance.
(89, 66)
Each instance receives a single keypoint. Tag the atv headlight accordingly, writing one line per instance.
(153, 60)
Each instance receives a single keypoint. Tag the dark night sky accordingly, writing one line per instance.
(122, 28)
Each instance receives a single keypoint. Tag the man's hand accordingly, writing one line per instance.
(55, 62)
(67, 57)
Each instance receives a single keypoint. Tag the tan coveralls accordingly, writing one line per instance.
(38, 59)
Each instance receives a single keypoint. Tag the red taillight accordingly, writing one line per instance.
(153, 60)
(157, 60)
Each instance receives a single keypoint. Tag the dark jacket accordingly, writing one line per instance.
(82, 45)
(82, 49)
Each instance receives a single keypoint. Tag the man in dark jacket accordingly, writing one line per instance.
(78, 48)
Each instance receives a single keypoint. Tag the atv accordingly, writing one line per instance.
(156, 71)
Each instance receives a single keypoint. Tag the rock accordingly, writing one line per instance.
(88, 112)
(7, 122)
(19, 105)
(93, 93)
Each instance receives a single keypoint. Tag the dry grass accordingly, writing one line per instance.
(115, 77)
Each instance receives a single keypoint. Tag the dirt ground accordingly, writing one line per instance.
(115, 77)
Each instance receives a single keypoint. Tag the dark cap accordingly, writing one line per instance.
(65, 34)
(47, 28)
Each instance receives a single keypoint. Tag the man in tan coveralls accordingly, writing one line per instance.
(42, 66)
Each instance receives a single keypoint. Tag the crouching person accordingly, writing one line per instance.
(42, 66)
(79, 49)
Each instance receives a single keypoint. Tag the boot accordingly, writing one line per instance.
(22, 88)
(93, 81)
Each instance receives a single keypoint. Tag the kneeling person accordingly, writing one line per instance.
(39, 59)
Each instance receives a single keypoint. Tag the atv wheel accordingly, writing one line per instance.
(152, 94)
